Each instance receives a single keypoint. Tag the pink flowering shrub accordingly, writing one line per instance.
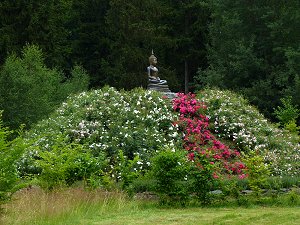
(198, 141)
(192, 175)
(188, 106)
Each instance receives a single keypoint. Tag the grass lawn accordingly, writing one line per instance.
(199, 216)
(188, 216)
(76, 206)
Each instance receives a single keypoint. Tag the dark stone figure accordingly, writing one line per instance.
(154, 82)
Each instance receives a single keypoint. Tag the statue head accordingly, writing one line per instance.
(152, 59)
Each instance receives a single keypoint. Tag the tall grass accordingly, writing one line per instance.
(79, 206)
(35, 206)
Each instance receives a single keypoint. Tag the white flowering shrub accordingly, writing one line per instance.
(107, 121)
(234, 119)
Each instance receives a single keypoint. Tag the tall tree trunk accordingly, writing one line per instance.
(186, 77)
(186, 72)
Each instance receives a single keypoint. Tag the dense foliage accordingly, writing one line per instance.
(29, 91)
(254, 49)
(110, 138)
(10, 152)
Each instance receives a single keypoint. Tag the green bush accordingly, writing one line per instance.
(10, 152)
(292, 127)
(288, 112)
(179, 180)
(202, 178)
(145, 183)
(171, 169)
(126, 169)
(65, 164)
(287, 115)
(257, 172)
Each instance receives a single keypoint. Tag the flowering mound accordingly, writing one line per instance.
(200, 143)
(234, 119)
(114, 134)
(107, 121)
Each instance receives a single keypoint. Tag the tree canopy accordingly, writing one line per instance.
(254, 48)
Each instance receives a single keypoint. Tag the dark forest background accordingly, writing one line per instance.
(52, 48)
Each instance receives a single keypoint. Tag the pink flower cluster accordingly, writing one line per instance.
(187, 105)
(198, 139)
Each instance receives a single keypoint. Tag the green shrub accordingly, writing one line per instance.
(171, 170)
(292, 198)
(78, 82)
(126, 170)
(65, 164)
(292, 127)
(257, 171)
(287, 115)
(288, 112)
(144, 183)
(231, 188)
(179, 180)
(202, 178)
(10, 152)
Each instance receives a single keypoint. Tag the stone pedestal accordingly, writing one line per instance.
(158, 87)
(164, 88)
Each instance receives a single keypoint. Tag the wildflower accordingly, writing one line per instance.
(243, 176)
(215, 176)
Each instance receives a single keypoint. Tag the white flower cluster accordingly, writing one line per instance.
(233, 118)
(107, 120)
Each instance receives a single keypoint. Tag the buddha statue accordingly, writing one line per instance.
(153, 71)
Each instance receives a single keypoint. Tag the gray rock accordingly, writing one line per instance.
(216, 192)
(246, 192)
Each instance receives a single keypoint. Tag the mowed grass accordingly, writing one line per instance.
(203, 216)
(77, 206)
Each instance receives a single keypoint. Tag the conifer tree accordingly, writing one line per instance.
(254, 48)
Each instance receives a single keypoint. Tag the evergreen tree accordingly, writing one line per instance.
(44, 23)
(14, 20)
(187, 27)
(254, 48)
(29, 91)
(90, 43)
